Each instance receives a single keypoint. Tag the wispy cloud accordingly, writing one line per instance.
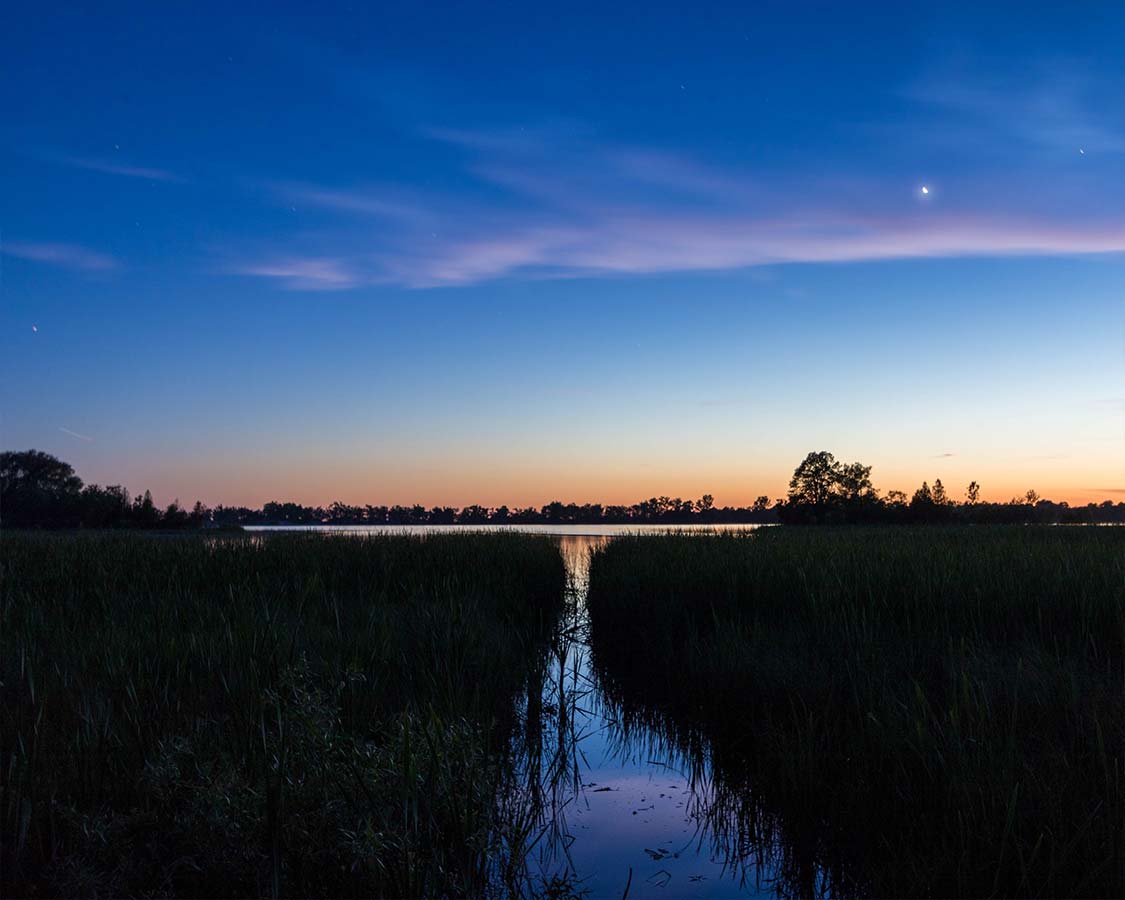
(372, 201)
(113, 167)
(647, 244)
(71, 256)
(556, 202)
(75, 434)
(946, 455)
(568, 166)
(304, 273)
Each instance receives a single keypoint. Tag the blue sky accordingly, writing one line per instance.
(494, 254)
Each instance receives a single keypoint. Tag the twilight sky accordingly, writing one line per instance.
(510, 253)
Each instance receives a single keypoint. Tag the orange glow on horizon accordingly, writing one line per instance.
(539, 484)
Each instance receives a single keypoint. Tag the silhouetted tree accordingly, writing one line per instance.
(824, 490)
(200, 515)
(854, 481)
(814, 480)
(145, 513)
(375, 515)
(340, 513)
(439, 515)
(972, 493)
(553, 511)
(938, 493)
(105, 507)
(617, 514)
(174, 516)
(923, 497)
(473, 515)
(37, 488)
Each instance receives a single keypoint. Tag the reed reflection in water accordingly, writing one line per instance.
(626, 798)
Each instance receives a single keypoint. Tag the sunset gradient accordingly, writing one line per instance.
(451, 255)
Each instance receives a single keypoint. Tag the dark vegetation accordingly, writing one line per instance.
(824, 491)
(654, 511)
(291, 715)
(39, 491)
(904, 711)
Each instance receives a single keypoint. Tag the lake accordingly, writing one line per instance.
(555, 530)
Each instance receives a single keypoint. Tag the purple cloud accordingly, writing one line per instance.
(70, 256)
(304, 273)
(640, 244)
(561, 204)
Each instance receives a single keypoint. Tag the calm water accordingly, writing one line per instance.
(635, 813)
(557, 530)
(620, 807)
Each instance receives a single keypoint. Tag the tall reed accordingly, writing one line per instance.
(298, 715)
(911, 711)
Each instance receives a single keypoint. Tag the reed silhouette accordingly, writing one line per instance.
(298, 715)
(923, 711)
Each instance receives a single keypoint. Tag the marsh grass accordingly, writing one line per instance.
(295, 715)
(887, 711)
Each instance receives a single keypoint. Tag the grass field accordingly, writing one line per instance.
(299, 715)
(927, 712)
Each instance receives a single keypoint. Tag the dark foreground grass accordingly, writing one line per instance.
(300, 715)
(906, 712)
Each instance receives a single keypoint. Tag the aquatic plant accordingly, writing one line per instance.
(905, 711)
(293, 715)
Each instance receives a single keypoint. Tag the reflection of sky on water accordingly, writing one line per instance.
(644, 817)
(637, 806)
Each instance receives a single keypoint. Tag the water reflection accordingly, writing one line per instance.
(627, 800)
(578, 531)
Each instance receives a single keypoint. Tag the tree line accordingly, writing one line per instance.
(656, 510)
(37, 490)
(825, 491)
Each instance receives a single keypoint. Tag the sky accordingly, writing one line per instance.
(510, 253)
